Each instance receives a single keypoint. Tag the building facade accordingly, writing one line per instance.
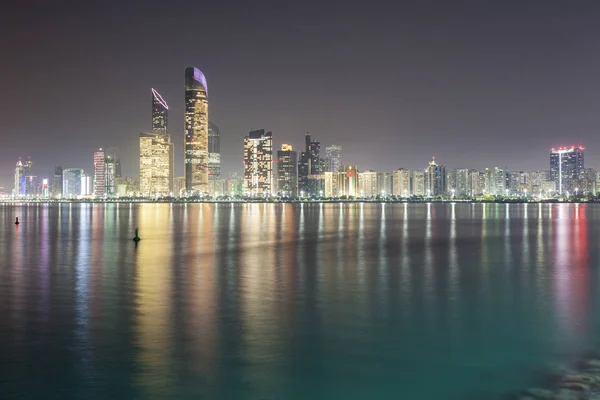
(333, 158)
(309, 164)
(214, 151)
(196, 131)
(566, 167)
(258, 163)
(99, 174)
(367, 184)
(401, 185)
(160, 114)
(418, 183)
(73, 178)
(435, 179)
(156, 164)
(287, 173)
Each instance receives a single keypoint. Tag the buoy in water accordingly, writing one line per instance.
(136, 238)
(17, 221)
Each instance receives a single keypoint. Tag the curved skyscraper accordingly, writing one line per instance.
(214, 151)
(196, 131)
(160, 113)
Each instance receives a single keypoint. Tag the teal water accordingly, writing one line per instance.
(289, 301)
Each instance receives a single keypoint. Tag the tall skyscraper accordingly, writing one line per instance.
(17, 181)
(99, 174)
(156, 164)
(22, 171)
(566, 167)
(333, 157)
(401, 183)
(73, 178)
(160, 114)
(418, 183)
(287, 174)
(109, 174)
(57, 184)
(309, 164)
(214, 151)
(435, 179)
(462, 182)
(196, 131)
(367, 184)
(258, 163)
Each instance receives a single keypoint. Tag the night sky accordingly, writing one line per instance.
(474, 83)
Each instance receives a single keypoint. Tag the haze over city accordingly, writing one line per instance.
(474, 84)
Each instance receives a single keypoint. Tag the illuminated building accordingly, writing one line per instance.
(99, 174)
(334, 184)
(217, 187)
(258, 163)
(57, 184)
(495, 182)
(214, 151)
(435, 179)
(17, 181)
(156, 164)
(309, 164)
(350, 181)
(477, 184)
(287, 175)
(566, 167)
(418, 183)
(462, 182)
(367, 183)
(333, 157)
(401, 183)
(72, 178)
(109, 175)
(196, 131)
(126, 185)
(384, 183)
(160, 114)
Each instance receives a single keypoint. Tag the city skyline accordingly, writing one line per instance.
(428, 88)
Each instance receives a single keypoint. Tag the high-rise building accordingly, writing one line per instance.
(214, 151)
(384, 183)
(495, 182)
(17, 181)
(462, 182)
(258, 163)
(350, 182)
(418, 183)
(196, 131)
(334, 183)
(109, 175)
(156, 164)
(333, 157)
(367, 184)
(160, 114)
(566, 167)
(401, 185)
(287, 174)
(435, 179)
(72, 182)
(99, 174)
(309, 164)
(57, 184)
(477, 185)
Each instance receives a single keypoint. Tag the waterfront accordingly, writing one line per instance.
(294, 301)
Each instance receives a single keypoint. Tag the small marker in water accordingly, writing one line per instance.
(17, 221)
(136, 238)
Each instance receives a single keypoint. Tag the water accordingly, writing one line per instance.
(257, 301)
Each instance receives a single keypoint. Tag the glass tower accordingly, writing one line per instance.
(196, 131)
(566, 167)
(258, 163)
(287, 175)
(214, 151)
(160, 113)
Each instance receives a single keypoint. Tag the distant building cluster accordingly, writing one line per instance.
(312, 172)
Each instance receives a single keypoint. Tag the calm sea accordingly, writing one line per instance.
(289, 301)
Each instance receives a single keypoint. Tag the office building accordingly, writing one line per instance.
(333, 158)
(435, 179)
(287, 173)
(99, 174)
(72, 182)
(384, 183)
(309, 164)
(367, 184)
(258, 163)
(333, 183)
(57, 182)
(214, 151)
(156, 164)
(462, 184)
(401, 183)
(196, 132)
(160, 114)
(418, 183)
(566, 167)
(109, 174)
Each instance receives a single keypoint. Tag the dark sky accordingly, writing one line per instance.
(474, 83)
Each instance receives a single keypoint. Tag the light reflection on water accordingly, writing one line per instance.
(254, 301)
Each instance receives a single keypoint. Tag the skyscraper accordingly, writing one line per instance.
(435, 179)
(160, 114)
(333, 157)
(156, 164)
(258, 163)
(72, 182)
(367, 184)
(401, 183)
(22, 171)
(287, 174)
(214, 151)
(418, 183)
(196, 131)
(309, 164)
(99, 174)
(57, 184)
(17, 181)
(109, 174)
(566, 167)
